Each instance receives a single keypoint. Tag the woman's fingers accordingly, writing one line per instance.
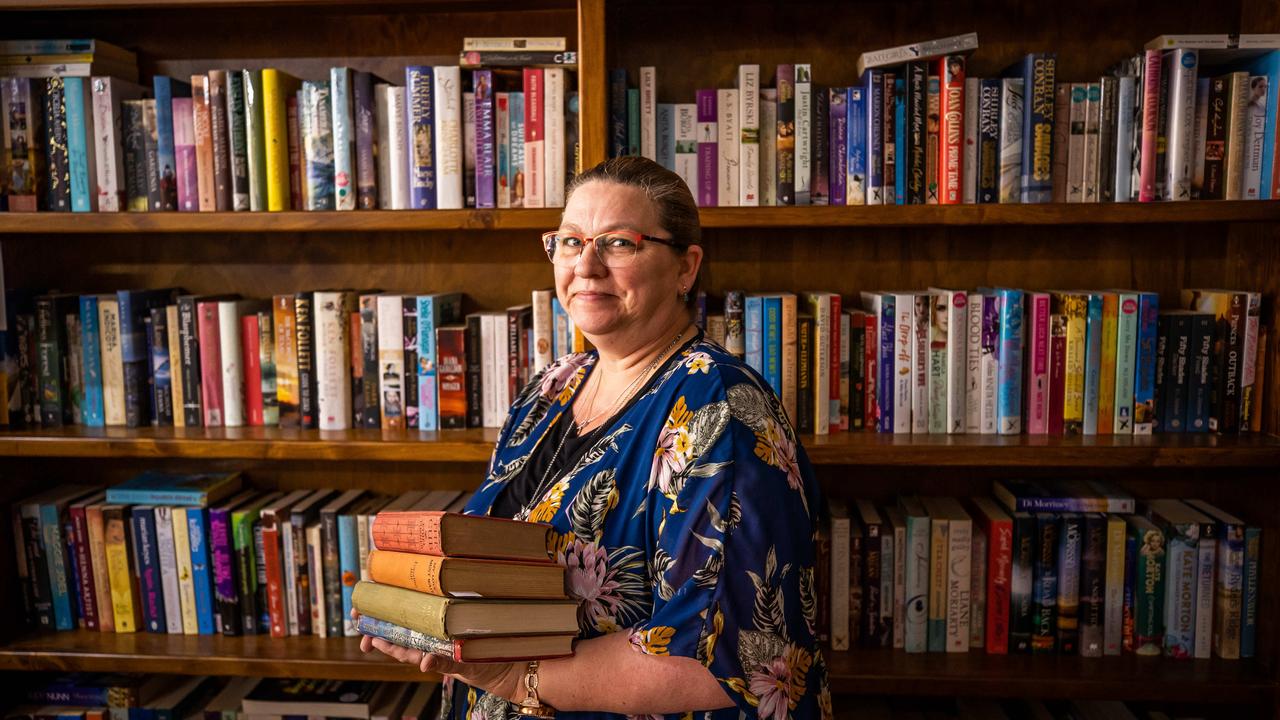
(404, 655)
(366, 643)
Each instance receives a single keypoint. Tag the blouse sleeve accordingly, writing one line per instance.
(731, 505)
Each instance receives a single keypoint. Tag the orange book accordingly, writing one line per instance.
(203, 125)
(466, 577)
(434, 532)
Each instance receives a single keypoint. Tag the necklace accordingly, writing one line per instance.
(622, 399)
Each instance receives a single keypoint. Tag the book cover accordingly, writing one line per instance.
(1070, 543)
(951, 75)
(1145, 363)
(1009, 394)
(304, 325)
(315, 115)
(990, 143)
(277, 87)
(147, 569)
(856, 162)
(1126, 360)
(1092, 362)
(1038, 76)
(1011, 140)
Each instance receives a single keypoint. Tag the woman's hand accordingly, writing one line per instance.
(502, 679)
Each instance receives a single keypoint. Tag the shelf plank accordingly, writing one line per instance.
(258, 443)
(542, 219)
(859, 671)
(270, 222)
(430, 5)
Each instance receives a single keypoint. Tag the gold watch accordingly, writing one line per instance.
(531, 707)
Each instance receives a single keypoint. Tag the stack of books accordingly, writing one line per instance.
(473, 589)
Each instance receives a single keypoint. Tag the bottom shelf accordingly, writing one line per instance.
(880, 672)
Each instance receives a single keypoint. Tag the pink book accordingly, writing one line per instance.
(184, 149)
(1038, 363)
(1057, 373)
(210, 362)
(535, 162)
(1150, 126)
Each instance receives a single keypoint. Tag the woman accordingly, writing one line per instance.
(679, 499)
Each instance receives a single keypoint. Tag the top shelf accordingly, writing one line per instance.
(722, 217)
(197, 4)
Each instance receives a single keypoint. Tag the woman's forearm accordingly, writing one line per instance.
(606, 674)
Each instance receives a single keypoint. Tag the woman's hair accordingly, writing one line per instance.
(677, 211)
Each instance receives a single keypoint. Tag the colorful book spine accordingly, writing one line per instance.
(148, 568)
(93, 414)
(916, 578)
(343, 125)
(166, 90)
(420, 128)
(315, 115)
(117, 547)
(1044, 588)
(1038, 75)
(989, 117)
(1009, 397)
(950, 71)
(220, 147)
(227, 616)
(988, 414)
(277, 87)
(749, 178)
(708, 163)
(201, 577)
(81, 144)
(187, 171)
(1038, 363)
(855, 187)
(1093, 362)
(1144, 382)
(168, 570)
(838, 137)
(202, 140)
(1075, 312)
(349, 567)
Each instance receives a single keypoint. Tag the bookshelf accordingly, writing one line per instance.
(492, 256)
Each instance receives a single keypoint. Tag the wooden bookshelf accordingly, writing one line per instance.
(476, 445)
(368, 221)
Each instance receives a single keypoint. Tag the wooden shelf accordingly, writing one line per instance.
(858, 671)
(543, 219)
(257, 443)
(267, 222)
(432, 5)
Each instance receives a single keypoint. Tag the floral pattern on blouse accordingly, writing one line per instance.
(688, 523)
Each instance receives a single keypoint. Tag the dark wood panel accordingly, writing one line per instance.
(1046, 214)
(363, 221)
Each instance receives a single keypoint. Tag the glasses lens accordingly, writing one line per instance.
(563, 248)
(617, 249)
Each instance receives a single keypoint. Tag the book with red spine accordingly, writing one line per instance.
(249, 348)
(1151, 81)
(270, 519)
(202, 122)
(84, 561)
(451, 345)
(1038, 363)
(535, 162)
(950, 71)
(1057, 373)
(833, 357)
(293, 135)
(210, 363)
(998, 526)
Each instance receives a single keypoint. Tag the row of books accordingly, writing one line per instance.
(1005, 361)
(965, 708)
(199, 554)
(1191, 117)
(261, 139)
(119, 696)
(1072, 568)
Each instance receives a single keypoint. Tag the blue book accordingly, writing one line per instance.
(201, 577)
(135, 308)
(771, 345)
(161, 368)
(349, 564)
(617, 112)
(1009, 359)
(561, 342)
(856, 181)
(80, 145)
(885, 382)
(420, 124)
(1038, 71)
(1144, 385)
(147, 560)
(51, 511)
(1249, 592)
(1268, 65)
(73, 574)
(900, 140)
(1092, 362)
(873, 93)
(1199, 374)
(1070, 540)
(434, 311)
(1044, 585)
(666, 135)
(989, 114)
(633, 121)
(753, 332)
(93, 413)
(515, 167)
(165, 89)
(159, 488)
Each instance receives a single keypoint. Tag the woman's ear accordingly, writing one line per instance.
(690, 262)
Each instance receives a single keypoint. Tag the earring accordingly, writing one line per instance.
(684, 295)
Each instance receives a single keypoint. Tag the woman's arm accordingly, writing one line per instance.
(604, 675)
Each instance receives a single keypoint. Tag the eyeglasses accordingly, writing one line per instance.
(616, 248)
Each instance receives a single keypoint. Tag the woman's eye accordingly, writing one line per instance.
(570, 241)
(617, 241)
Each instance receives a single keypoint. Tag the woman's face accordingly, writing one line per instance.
(621, 300)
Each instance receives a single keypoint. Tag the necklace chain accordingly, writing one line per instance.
(622, 399)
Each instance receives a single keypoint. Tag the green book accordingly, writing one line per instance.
(243, 519)
(457, 617)
(255, 140)
(1148, 545)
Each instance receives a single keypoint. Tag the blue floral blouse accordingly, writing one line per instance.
(688, 524)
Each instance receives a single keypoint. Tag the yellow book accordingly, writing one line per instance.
(186, 585)
(1113, 590)
(277, 87)
(123, 593)
(1107, 378)
(1075, 307)
(939, 542)
(175, 367)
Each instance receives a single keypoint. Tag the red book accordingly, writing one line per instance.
(293, 132)
(1057, 372)
(270, 521)
(534, 136)
(1150, 126)
(451, 345)
(210, 363)
(833, 362)
(80, 541)
(998, 527)
(950, 71)
(870, 352)
(249, 348)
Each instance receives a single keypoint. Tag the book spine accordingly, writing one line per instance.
(391, 361)
(1075, 311)
(1237, 135)
(921, 359)
(803, 132)
(231, 372)
(989, 140)
(420, 123)
(227, 616)
(1180, 151)
(1093, 99)
(708, 151)
(838, 144)
(1206, 569)
(1249, 592)
(1038, 384)
(1070, 541)
(304, 333)
(201, 578)
(404, 637)
(271, 554)
(117, 547)
(108, 114)
(728, 139)
(916, 577)
(79, 542)
(474, 365)
(57, 160)
(1009, 397)
(1126, 359)
(95, 537)
(251, 361)
(856, 161)
(1180, 595)
(446, 99)
(932, 139)
(162, 380)
(951, 129)
(168, 569)
(1076, 140)
(555, 162)
(1093, 363)
(179, 399)
(959, 559)
(334, 619)
(1151, 83)
(486, 150)
(1227, 598)
(332, 369)
(937, 608)
(284, 353)
(914, 143)
(785, 140)
(364, 127)
(1061, 141)
(999, 559)
(517, 175)
(81, 153)
(344, 131)
(210, 364)
(1044, 588)
(318, 622)
(202, 134)
(148, 568)
(1093, 585)
(251, 573)
(1114, 588)
(1011, 140)
(1108, 138)
(452, 406)
(900, 364)
(969, 182)
(1145, 364)
(1039, 71)
(749, 177)
(349, 568)
(409, 343)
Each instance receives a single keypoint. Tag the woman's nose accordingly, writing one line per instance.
(589, 263)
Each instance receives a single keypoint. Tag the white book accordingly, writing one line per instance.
(289, 565)
(1092, 114)
(926, 50)
(728, 138)
(768, 147)
(182, 556)
(1125, 96)
(898, 522)
(342, 109)
(1206, 580)
(959, 560)
(973, 364)
(1011, 140)
(648, 112)
(855, 182)
(447, 97)
(393, 153)
(554, 81)
(687, 145)
(840, 532)
(804, 132)
(315, 579)
(749, 147)
(921, 316)
(469, 148)
(112, 360)
(502, 146)
(987, 414)
(229, 311)
(542, 330)
(168, 570)
(489, 377)
(1075, 142)
(955, 313)
(1180, 152)
(391, 361)
(108, 93)
(1255, 137)
(903, 357)
(333, 361)
(916, 575)
(972, 90)
(501, 367)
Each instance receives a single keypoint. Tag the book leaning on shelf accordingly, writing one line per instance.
(468, 587)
